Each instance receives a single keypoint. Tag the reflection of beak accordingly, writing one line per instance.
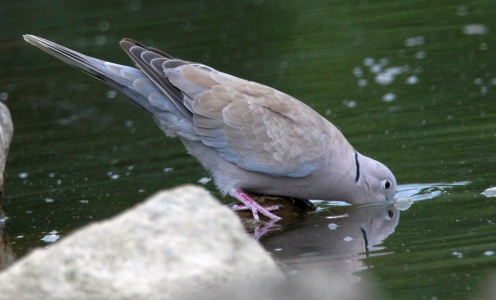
(365, 240)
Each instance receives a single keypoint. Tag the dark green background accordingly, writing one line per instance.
(69, 135)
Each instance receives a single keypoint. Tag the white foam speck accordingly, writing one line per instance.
(475, 29)
(349, 103)
(111, 94)
(332, 226)
(412, 79)
(420, 55)
(23, 175)
(204, 180)
(357, 72)
(4, 96)
(51, 237)
(458, 254)
(375, 68)
(389, 97)
(414, 41)
(368, 61)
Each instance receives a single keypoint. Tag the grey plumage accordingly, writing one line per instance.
(249, 136)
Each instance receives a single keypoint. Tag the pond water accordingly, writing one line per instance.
(409, 83)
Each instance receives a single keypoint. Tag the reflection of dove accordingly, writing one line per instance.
(249, 136)
(337, 243)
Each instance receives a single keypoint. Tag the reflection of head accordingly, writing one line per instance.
(334, 242)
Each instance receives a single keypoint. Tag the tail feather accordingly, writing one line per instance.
(86, 64)
(131, 82)
(119, 77)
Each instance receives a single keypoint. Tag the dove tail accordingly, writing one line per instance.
(119, 77)
(82, 62)
(131, 82)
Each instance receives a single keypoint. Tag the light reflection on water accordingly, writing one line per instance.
(425, 191)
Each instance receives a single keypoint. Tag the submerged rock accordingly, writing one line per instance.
(177, 243)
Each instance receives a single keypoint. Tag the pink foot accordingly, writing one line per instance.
(255, 208)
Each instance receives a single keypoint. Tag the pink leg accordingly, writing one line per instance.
(251, 204)
(237, 207)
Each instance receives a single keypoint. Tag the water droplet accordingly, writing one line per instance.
(368, 61)
(414, 41)
(332, 226)
(362, 82)
(103, 25)
(357, 72)
(475, 29)
(375, 68)
(111, 94)
(389, 97)
(349, 103)
(204, 180)
(462, 11)
(4, 96)
(100, 40)
(412, 79)
(134, 5)
(419, 55)
(51, 237)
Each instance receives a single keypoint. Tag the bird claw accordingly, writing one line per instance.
(252, 205)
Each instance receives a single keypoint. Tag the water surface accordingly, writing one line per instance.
(410, 83)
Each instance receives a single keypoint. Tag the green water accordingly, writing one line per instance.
(79, 154)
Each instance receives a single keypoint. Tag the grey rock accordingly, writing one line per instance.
(176, 243)
(6, 132)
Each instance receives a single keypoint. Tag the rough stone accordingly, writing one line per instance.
(6, 132)
(178, 242)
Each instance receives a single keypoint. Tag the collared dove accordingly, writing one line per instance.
(250, 137)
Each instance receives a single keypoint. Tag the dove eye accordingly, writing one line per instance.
(385, 185)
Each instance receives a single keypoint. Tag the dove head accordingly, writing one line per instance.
(376, 180)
